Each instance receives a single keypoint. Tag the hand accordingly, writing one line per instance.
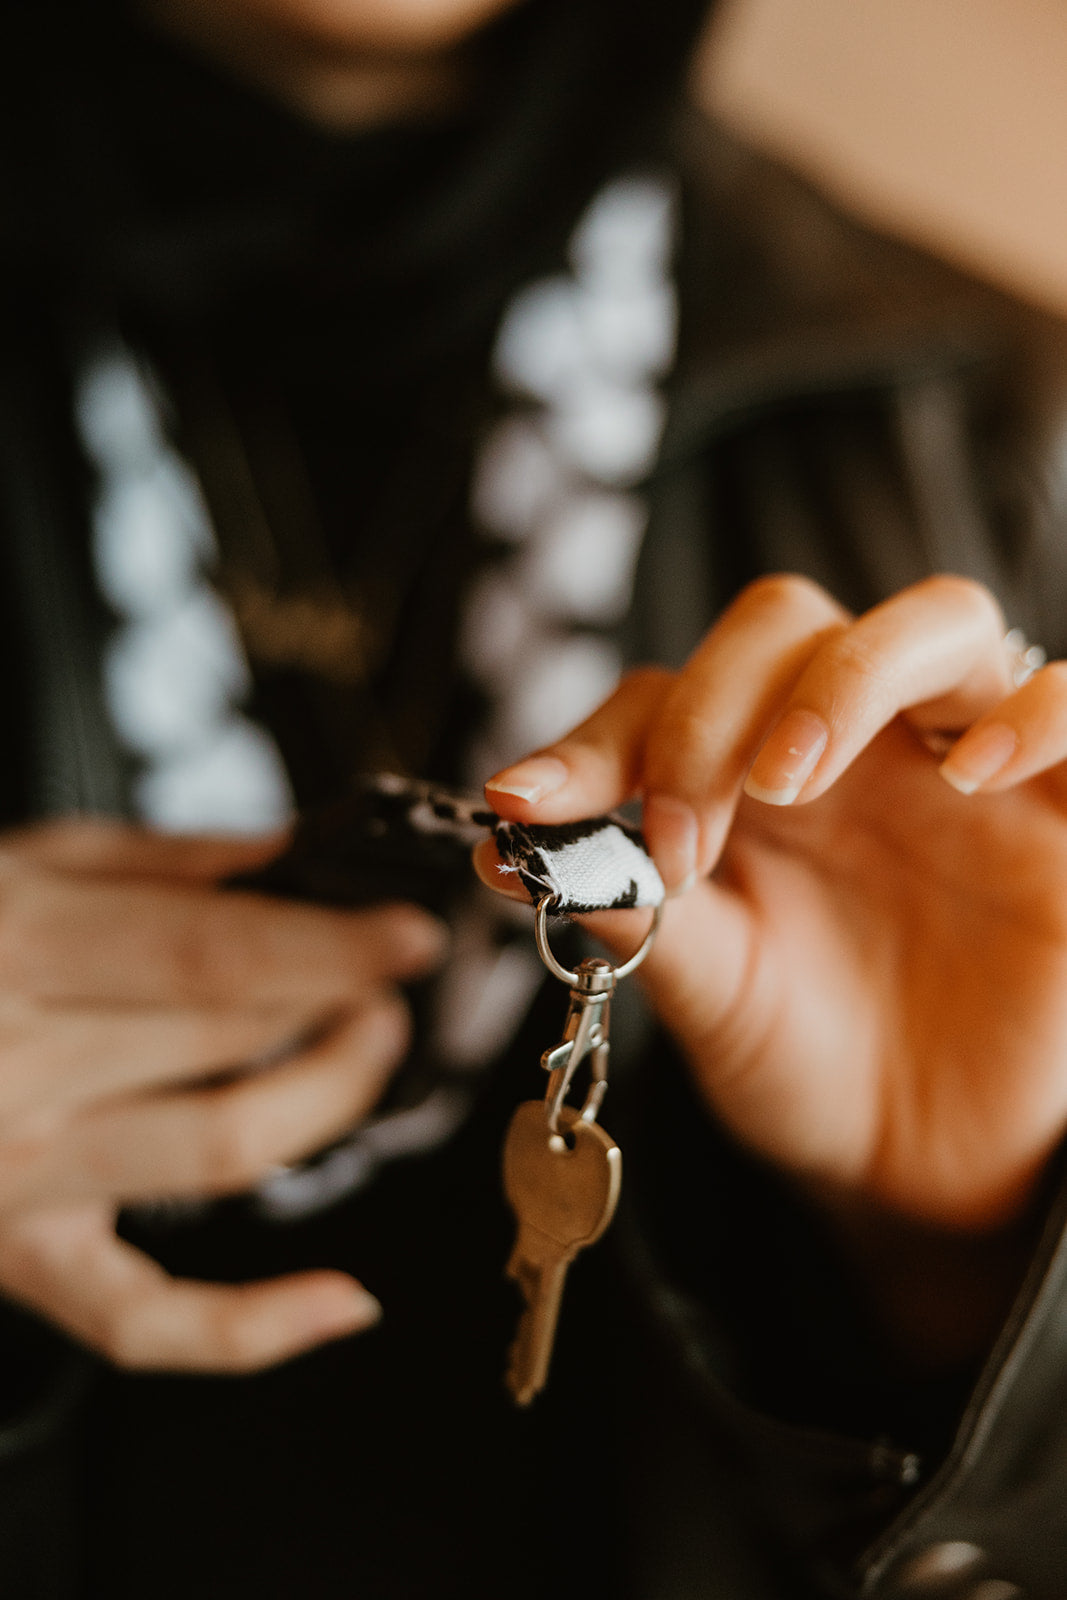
(128, 983)
(871, 985)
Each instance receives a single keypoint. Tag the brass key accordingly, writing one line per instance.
(563, 1188)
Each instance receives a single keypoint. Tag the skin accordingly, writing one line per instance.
(868, 978)
(128, 982)
(344, 64)
(866, 981)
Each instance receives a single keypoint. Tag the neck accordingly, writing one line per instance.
(337, 85)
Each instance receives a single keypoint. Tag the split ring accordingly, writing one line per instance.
(544, 949)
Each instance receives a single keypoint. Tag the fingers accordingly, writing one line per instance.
(69, 1266)
(103, 845)
(1024, 735)
(61, 1058)
(686, 739)
(593, 768)
(700, 750)
(224, 1140)
(781, 696)
(936, 650)
(140, 943)
(211, 1141)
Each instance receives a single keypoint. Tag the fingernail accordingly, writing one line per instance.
(787, 759)
(420, 941)
(347, 1309)
(979, 756)
(366, 1307)
(362, 1310)
(531, 780)
(672, 833)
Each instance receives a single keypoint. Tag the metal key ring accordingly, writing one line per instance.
(544, 949)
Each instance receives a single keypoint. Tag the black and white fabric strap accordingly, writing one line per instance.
(399, 827)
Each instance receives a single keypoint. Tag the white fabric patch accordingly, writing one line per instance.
(499, 625)
(627, 233)
(235, 777)
(557, 684)
(601, 866)
(558, 477)
(554, 480)
(609, 431)
(581, 871)
(517, 478)
(174, 670)
(584, 564)
(150, 533)
(171, 679)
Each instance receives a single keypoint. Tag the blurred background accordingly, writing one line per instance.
(944, 121)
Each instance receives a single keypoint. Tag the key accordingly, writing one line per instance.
(563, 1199)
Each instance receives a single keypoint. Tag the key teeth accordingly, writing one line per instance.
(521, 1391)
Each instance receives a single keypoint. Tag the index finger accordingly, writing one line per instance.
(137, 942)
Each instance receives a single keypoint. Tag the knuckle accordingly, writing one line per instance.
(357, 953)
(232, 1339)
(20, 1258)
(861, 662)
(1052, 678)
(23, 1162)
(776, 592)
(214, 957)
(382, 1032)
(28, 1060)
(644, 680)
(684, 728)
(965, 594)
(192, 970)
(24, 941)
(358, 1075)
(678, 751)
(855, 652)
(231, 1154)
(122, 1337)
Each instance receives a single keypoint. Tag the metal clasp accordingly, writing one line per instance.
(585, 1034)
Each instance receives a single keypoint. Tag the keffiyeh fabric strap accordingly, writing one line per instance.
(394, 833)
(597, 865)
(600, 864)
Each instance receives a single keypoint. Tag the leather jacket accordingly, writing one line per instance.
(849, 408)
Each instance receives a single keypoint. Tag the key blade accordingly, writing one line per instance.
(563, 1199)
(531, 1350)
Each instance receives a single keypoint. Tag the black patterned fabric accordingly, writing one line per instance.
(401, 836)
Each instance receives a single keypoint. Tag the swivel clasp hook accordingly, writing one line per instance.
(585, 1034)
